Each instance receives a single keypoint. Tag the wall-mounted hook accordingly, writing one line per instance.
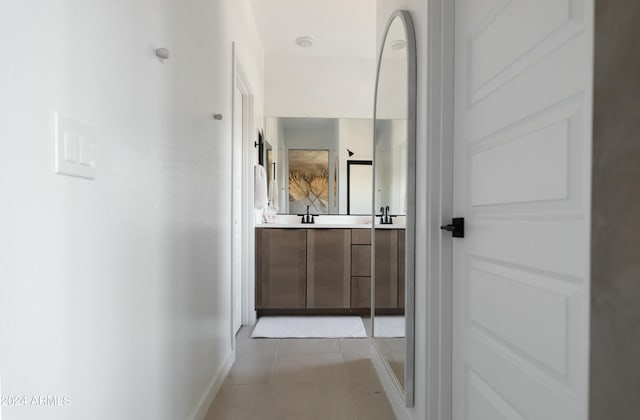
(162, 53)
(217, 117)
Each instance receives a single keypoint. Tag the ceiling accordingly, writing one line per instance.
(342, 28)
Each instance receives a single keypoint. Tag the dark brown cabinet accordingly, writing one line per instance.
(361, 260)
(361, 236)
(361, 292)
(401, 267)
(281, 268)
(328, 271)
(328, 268)
(386, 267)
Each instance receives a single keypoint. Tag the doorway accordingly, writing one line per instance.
(242, 160)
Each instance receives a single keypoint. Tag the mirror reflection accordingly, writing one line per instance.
(308, 181)
(323, 163)
(359, 191)
(390, 201)
(343, 265)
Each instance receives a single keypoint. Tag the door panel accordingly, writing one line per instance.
(522, 182)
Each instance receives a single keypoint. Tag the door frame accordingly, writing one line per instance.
(438, 208)
(240, 80)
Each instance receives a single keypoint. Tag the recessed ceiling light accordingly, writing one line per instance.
(398, 44)
(304, 41)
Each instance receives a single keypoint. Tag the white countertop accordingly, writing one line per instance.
(326, 221)
(325, 226)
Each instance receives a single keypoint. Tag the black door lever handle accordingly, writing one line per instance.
(456, 227)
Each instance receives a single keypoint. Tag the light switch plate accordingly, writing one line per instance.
(75, 144)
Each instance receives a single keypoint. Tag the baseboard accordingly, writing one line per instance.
(390, 385)
(212, 390)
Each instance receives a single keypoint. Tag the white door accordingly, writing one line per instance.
(522, 165)
(236, 234)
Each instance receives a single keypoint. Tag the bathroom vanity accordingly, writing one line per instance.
(323, 269)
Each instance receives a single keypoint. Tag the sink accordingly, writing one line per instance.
(335, 219)
(323, 219)
(399, 222)
(286, 219)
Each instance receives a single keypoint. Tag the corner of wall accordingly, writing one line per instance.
(202, 408)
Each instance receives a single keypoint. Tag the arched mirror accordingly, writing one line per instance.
(393, 249)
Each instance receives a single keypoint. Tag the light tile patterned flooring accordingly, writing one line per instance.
(394, 351)
(301, 379)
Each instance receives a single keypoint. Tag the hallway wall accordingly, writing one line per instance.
(115, 292)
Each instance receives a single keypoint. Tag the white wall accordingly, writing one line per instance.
(323, 87)
(115, 292)
(433, 198)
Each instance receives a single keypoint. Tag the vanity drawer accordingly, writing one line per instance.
(361, 236)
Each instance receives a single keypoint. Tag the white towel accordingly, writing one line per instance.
(260, 198)
(273, 194)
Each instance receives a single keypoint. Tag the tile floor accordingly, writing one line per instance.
(394, 350)
(301, 379)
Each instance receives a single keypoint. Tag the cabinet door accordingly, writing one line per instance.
(401, 266)
(386, 268)
(281, 268)
(328, 268)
